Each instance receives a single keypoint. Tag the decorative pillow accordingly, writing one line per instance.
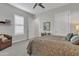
(69, 36)
(75, 40)
(3, 38)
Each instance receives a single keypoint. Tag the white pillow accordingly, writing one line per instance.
(3, 38)
(75, 40)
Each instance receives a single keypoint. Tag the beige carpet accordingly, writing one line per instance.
(17, 49)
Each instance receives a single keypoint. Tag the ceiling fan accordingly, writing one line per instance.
(38, 4)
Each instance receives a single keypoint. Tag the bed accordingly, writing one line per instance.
(52, 46)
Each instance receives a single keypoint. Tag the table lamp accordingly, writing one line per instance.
(77, 29)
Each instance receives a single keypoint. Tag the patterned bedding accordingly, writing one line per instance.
(52, 46)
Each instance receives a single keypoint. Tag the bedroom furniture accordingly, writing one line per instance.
(4, 43)
(52, 46)
(44, 34)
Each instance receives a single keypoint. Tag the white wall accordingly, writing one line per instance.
(61, 22)
(63, 19)
(73, 16)
(46, 17)
(34, 25)
(7, 12)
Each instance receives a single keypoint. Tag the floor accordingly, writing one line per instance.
(17, 49)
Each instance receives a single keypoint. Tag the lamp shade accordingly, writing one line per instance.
(77, 27)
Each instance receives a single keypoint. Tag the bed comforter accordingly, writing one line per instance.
(52, 46)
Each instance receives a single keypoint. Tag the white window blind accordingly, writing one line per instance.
(19, 25)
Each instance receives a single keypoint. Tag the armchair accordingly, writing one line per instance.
(6, 43)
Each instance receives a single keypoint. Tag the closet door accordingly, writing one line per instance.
(61, 23)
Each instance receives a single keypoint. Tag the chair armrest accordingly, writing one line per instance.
(8, 36)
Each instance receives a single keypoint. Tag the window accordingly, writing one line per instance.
(19, 25)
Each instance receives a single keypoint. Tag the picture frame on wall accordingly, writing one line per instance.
(46, 26)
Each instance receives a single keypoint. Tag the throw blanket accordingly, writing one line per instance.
(52, 46)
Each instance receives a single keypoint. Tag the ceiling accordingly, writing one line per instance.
(28, 7)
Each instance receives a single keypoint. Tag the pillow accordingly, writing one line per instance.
(3, 38)
(69, 36)
(75, 40)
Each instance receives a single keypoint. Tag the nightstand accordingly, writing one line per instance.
(44, 34)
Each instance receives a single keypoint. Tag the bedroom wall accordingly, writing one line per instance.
(7, 12)
(73, 16)
(63, 19)
(34, 26)
(46, 17)
(59, 19)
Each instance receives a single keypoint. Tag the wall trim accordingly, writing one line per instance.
(18, 41)
(60, 34)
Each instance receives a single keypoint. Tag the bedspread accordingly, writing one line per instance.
(52, 46)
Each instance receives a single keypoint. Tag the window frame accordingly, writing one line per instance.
(18, 25)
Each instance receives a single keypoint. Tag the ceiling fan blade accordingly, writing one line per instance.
(35, 5)
(40, 4)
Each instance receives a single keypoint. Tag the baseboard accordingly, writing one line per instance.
(18, 41)
(60, 34)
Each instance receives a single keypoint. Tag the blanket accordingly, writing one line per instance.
(52, 46)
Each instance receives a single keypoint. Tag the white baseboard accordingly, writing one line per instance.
(18, 41)
(60, 34)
